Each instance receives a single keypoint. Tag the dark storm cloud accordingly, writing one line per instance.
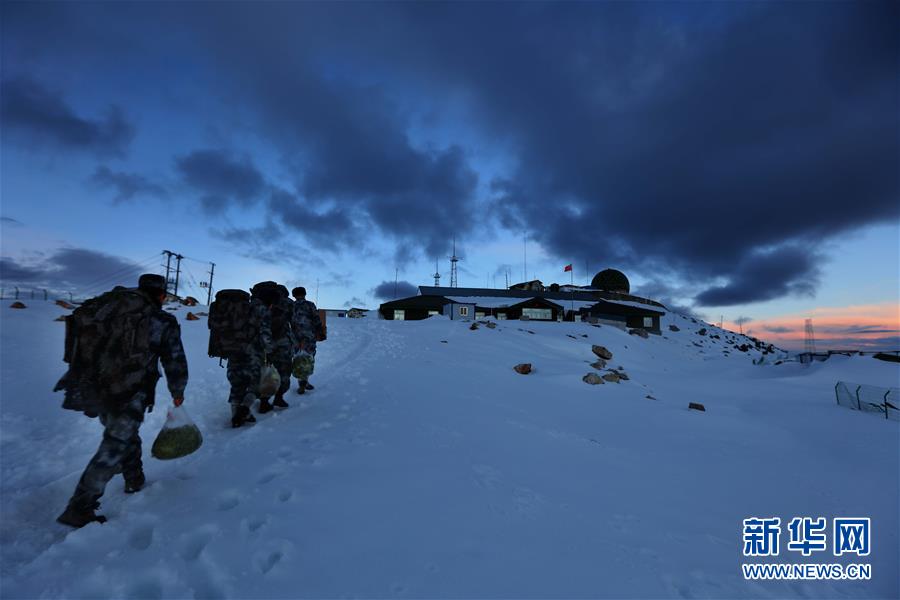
(388, 290)
(126, 185)
(326, 228)
(38, 115)
(355, 302)
(778, 329)
(635, 136)
(686, 139)
(77, 269)
(760, 276)
(220, 178)
(346, 139)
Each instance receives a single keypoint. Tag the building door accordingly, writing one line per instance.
(399, 315)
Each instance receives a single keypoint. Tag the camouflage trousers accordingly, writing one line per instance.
(119, 452)
(281, 359)
(243, 374)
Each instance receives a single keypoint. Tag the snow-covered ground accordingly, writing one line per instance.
(423, 466)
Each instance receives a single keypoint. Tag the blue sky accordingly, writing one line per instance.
(733, 159)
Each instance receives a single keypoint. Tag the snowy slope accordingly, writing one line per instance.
(424, 466)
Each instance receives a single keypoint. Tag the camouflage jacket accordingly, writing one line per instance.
(306, 322)
(166, 347)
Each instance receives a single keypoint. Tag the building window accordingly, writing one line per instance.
(501, 316)
(648, 321)
(539, 314)
(464, 311)
(432, 313)
(479, 315)
(399, 315)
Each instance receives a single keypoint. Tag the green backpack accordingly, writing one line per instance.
(108, 343)
(233, 325)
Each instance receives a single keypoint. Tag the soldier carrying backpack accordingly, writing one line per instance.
(240, 332)
(113, 346)
(280, 310)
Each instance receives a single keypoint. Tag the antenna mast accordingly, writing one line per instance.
(437, 274)
(810, 342)
(453, 260)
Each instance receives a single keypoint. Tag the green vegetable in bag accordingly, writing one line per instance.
(269, 381)
(302, 365)
(178, 437)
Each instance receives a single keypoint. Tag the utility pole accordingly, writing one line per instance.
(17, 292)
(212, 269)
(178, 258)
(169, 255)
(396, 277)
(70, 297)
(45, 295)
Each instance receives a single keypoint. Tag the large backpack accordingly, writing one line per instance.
(233, 325)
(108, 343)
(280, 314)
(280, 308)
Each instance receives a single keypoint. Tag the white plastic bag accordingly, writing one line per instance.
(178, 436)
(269, 381)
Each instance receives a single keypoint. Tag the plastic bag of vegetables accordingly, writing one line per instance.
(178, 437)
(269, 381)
(302, 365)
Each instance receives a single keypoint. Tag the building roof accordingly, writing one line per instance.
(423, 301)
(584, 295)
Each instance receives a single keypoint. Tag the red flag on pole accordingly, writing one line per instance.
(567, 269)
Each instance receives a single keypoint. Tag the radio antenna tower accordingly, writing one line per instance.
(437, 274)
(453, 260)
(810, 342)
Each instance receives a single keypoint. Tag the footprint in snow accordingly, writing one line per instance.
(228, 500)
(141, 537)
(192, 544)
(285, 495)
(267, 477)
(254, 524)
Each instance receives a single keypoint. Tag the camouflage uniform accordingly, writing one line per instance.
(306, 324)
(120, 450)
(284, 344)
(244, 369)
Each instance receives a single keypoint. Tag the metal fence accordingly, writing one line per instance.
(869, 398)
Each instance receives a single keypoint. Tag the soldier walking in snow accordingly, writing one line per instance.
(281, 312)
(307, 327)
(240, 332)
(113, 346)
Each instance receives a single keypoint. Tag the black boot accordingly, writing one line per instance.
(242, 415)
(78, 517)
(135, 484)
(279, 402)
(310, 386)
(264, 406)
(301, 388)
